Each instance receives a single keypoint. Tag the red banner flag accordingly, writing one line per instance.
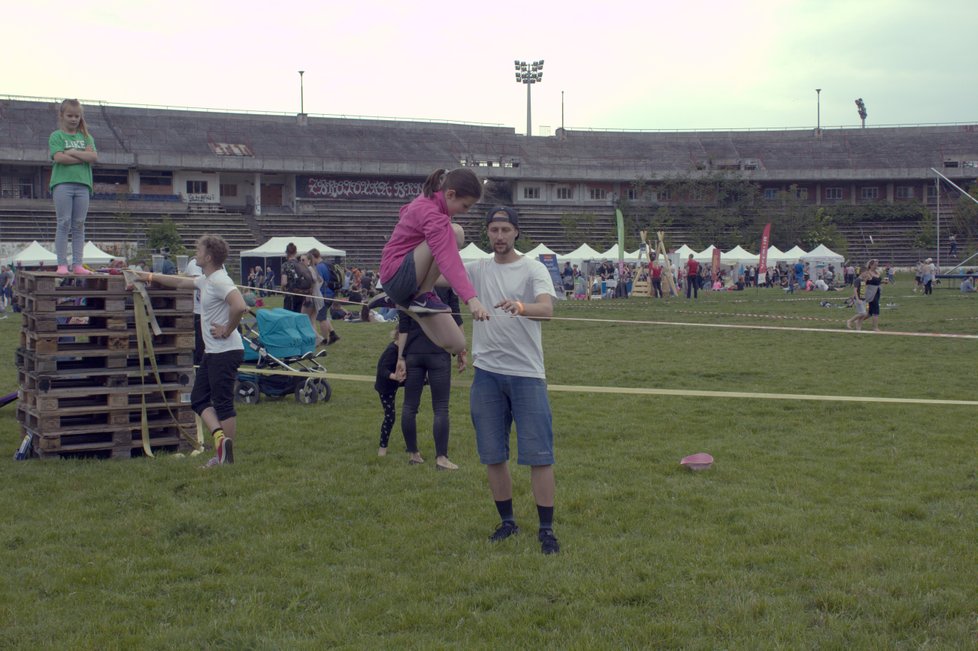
(765, 241)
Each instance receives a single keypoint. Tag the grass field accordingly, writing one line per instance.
(823, 524)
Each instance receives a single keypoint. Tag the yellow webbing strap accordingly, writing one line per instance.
(145, 321)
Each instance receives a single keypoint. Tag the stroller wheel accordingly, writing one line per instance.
(247, 392)
(325, 391)
(306, 392)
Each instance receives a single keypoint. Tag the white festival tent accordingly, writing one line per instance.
(472, 252)
(774, 255)
(612, 254)
(679, 257)
(583, 252)
(706, 255)
(794, 253)
(33, 255)
(820, 258)
(739, 255)
(580, 255)
(540, 249)
(272, 253)
(94, 255)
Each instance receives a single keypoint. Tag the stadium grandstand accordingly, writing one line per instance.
(249, 176)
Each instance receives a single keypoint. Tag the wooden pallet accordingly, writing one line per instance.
(83, 420)
(177, 321)
(84, 398)
(48, 343)
(98, 360)
(95, 380)
(120, 443)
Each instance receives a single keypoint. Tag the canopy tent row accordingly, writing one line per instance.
(272, 252)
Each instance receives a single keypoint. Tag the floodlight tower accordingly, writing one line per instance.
(861, 108)
(529, 74)
(818, 108)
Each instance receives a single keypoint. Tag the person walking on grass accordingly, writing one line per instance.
(510, 379)
(222, 307)
(73, 152)
(423, 247)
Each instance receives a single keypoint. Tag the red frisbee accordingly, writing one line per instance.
(698, 461)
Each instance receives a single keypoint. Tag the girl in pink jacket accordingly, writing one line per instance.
(423, 247)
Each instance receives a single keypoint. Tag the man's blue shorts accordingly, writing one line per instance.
(495, 401)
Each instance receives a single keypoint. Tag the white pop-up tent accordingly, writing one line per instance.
(272, 253)
(95, 256)
(794, 254)
(33, 255)
(706, 255)
(820, 258)
(580, 255)
(472, 252)
(738, 255)
(540, 249)
(612, 254)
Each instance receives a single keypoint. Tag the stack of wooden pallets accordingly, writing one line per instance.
(78, 366)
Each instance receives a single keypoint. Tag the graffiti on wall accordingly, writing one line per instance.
(320, 187)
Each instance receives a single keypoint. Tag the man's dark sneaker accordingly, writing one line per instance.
(428, 303)
(333, 338)
(225, 451)
(504, 531)
(381, 300)
(548, 542)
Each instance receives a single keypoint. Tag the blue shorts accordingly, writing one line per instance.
(403, 285)
(495, 401)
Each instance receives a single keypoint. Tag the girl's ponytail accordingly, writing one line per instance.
(462, 180)
(433, 183)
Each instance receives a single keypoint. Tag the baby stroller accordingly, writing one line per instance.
(283, 341)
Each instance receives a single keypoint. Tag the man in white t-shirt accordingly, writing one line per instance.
(510, 380)
(222, 307)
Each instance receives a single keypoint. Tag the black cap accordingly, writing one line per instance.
(510, 216)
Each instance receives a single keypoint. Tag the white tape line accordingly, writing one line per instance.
(569, 388)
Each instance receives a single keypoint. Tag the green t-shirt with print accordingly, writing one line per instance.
(61, 173)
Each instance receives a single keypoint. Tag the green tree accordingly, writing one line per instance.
(965, 222)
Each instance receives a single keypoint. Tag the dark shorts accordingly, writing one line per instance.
(874, 307)
(403, 285)
(323, 313)
(214, 384)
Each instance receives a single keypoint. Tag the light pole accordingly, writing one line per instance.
(529, 74)
(818, 108)
(861, 109)
(302, 95)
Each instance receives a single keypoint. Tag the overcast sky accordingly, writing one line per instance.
(620, 64)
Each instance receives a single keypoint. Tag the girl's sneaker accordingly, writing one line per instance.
(80, 270)
(428, 303)
(62, 270)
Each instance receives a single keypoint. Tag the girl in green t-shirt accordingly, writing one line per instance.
(73, 152)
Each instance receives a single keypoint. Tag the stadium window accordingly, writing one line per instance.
(770, 194)
(531, 192)
(111, 177)
(904, 192)
(631, 194)
(156, 178)
(196, 187)
(869, 193)
(663, 195)
(833, 194)
(801, 193)
(598, 193)
(565, 193)
(229, 190)
(931, 191)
